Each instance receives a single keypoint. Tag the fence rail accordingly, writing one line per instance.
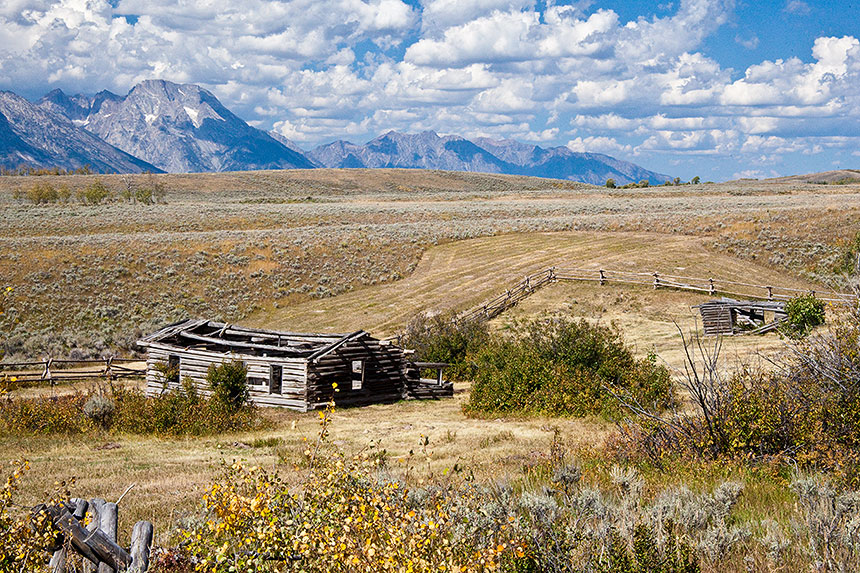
(710, 286)
(55, 370)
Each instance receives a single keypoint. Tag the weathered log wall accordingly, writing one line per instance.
(195, 365)
(383, 380)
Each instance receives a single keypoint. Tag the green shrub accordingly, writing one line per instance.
(563, 367)
(178, 412)
(229, 382)
(610, 183)
(442, 338)
(95, 193)
(42, 192)
(54, 415)
(804, 313)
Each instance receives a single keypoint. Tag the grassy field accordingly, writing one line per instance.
(340, 250)
(90, 278)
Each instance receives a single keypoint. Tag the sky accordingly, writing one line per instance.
(720, 89)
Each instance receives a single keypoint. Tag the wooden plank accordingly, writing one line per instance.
(93, 545)
(141, 542)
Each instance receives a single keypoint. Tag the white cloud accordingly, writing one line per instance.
(543, 72)
(749, 42)
(598, 144)
(798, 7)
(439, 15)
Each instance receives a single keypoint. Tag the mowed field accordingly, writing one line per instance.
(339, 251)
(463, 274)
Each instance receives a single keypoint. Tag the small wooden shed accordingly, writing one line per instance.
(293, 370)
(729, 316)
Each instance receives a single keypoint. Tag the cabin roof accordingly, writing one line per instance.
(222, 337)
(730, 303)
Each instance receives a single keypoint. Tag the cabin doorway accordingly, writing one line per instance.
(276, 374)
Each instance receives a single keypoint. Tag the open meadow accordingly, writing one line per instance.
(342, 250)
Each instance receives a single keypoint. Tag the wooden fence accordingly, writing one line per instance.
(53, 371)
(95, 538)
(709, 286)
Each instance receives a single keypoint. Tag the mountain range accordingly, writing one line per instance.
(180, 128)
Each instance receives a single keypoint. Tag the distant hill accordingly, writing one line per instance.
(179, 128)
(428, 150)
(36, 137)
(836, 177)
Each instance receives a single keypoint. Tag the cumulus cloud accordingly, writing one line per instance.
(549, 72)
(598, 144)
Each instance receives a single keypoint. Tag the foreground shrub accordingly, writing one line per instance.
(560, 366)
(805, 412)
(442, 338)
(23, 537)
(804, 313)
(342, 519)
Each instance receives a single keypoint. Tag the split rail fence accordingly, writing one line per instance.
(53, 371)
(89, 529)
(709, 286)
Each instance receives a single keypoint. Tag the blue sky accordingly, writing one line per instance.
(715, 88)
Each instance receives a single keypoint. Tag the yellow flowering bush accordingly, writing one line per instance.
(342, 517)
(23, 535)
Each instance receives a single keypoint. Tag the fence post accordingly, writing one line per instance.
(711, 289)
(602, 278)
(552, 273)
(46, 375)
(769, 293)
(656, 281)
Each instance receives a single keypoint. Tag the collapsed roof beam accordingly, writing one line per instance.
(239, 344)
(332, 347)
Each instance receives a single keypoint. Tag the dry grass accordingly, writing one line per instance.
(274, 248)
(235, 245)
(171, 474)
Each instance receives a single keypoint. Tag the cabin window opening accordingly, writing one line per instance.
(357, 374)
(276, 376)
(173, 369)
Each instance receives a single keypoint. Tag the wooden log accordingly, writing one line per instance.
(141, 543)
(93, 545)
(58, 560)
(108, 525)
(94, 519)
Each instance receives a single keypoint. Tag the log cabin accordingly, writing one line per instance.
(289, 369)
(728, 316)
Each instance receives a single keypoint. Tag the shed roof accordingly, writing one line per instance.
(748, 305)
(222, 337)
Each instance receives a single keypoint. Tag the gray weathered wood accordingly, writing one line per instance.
(58, 560)
(108, 525)
(141, 542)
(94, 520)
(92, 545)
